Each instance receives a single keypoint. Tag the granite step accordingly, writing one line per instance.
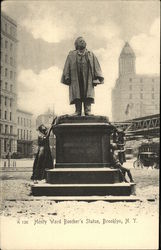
(83, 176)
(117, 189)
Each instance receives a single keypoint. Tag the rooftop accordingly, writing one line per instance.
(127, 50)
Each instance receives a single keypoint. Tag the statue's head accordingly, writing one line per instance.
(80, 43)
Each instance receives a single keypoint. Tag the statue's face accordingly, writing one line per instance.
(81, 44)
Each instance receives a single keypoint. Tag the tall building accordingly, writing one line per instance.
(24, 132)
(134, 95)
(8, 89)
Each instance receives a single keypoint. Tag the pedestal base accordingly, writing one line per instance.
(117, 189)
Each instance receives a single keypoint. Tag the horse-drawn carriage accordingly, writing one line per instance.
(148, 156)
(147, 159)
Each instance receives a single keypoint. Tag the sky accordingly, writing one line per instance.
(47, 31)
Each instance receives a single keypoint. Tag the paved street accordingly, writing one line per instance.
(135, 218)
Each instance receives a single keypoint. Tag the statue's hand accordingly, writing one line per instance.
(95, 82)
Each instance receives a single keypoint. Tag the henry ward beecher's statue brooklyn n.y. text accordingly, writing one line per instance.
(81, 73)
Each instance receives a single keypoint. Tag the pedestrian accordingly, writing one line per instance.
(43, 159)
(116, 163)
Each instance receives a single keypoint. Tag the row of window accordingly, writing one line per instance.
(8, 60)
(6, 115)
(141, 80)
(7, 101)
(24, 134)
(7, 129)
(7, 73)
(8, 87)
(10, 73)
(141, 87)
(141, 96)
(7, 45)
(24, 121)
(8, 28)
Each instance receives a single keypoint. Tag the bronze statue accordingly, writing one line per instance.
(81, 73)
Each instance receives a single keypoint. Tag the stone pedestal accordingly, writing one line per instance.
(83, 142)
(83, 161)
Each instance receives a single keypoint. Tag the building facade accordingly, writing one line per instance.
(134, 95)
(8, 88)
(24, 133)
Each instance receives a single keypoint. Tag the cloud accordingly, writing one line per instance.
(44, 91)
(49, 23)
(147, 49)
(108, 58)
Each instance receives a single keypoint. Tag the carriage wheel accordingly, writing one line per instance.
(138, 164)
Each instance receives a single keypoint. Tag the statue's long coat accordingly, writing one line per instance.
(70, 72)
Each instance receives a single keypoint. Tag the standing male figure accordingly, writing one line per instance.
(81, 73)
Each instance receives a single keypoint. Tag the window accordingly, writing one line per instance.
(141, 80)
(5, 101)
(6, 59)
(24, 133)
(10, 116)
(5, 115)
(130, 79)
(11, 61)
(11, 129)
(0, 114)
(152, 96)
(11, 74)
(11, 46)
(0, 128)
(130, 87)
(6, 44)
(6, 129)
(21, 121)
(152, 80)
(5, 145)
(27, 135)
(10, 145)
(11, 87)
(6, 85)
(1, 42)
(6, 71)
(10, 102)
(152, 88)
(1, 70)
(6, 27)
(21, 133)
(24, 122)
(0, 84)
(18, 120)
(141, 95)
(141, 87)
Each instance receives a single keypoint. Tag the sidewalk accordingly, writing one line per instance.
(16, 163)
